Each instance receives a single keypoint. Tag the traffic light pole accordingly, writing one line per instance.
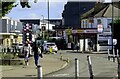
(42, 27)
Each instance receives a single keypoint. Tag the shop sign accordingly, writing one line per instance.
(91, 31)
(74, 31)
(100, 28)
(107, 30)
(104, 36)
(80, 31)
(91, 21)
(69, 31)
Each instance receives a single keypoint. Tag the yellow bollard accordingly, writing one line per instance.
(51, 50)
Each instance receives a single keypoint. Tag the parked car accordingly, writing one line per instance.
(47, 46)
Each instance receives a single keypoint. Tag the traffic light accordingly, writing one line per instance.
(24, 37)
(43, 28)
(24, 3)
(27, 33)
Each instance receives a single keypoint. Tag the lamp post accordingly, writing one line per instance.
(112, 24)
(10, 37)
(48, 18)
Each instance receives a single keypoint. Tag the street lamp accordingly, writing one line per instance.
(48, 18)
(112, 24)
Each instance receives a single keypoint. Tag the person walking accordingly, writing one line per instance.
(72, 46)
(37, 53)
(26, 54)
(78, 46)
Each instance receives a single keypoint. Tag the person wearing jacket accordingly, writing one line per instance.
(37, 53)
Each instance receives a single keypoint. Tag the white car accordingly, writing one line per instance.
(47, 46)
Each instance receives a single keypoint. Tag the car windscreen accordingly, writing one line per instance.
(20, 44)
(50, 44)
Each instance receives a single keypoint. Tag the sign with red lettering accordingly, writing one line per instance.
(100, 28)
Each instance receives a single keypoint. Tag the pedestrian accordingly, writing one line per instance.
(26, 54)
(30, 52)
(42, 49)
(73, 46)
(37, 53)
(89, 46)
(78, 46)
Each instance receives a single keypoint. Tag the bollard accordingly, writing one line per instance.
(61, 58)
(108, 54)
(113, 55)
(90, 67)
(118, 59)
(76, 68)
(39, 69)
(67, 60)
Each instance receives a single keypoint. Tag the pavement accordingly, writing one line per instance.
(48, 62)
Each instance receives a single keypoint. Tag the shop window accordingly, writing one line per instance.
(86, 24)
(83, 24)
(7, 42)
(2, 41)
(99, 21)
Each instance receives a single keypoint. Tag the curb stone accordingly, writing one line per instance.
(66, 63)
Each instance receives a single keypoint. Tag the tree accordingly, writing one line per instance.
(116, 32)
(6, 7)
(116, 28)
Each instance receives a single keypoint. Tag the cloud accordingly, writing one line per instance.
(62, 0)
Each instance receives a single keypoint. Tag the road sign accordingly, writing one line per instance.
(100, 28)
(43, 28)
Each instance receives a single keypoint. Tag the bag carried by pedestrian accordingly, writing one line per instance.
(40, 53)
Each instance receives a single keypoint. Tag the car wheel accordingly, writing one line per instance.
(45, 51)
(55, 51)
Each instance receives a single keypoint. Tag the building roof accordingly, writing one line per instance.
(33, 21)
(97, 8)
(108, 12)
(7, 34)
(103, 10)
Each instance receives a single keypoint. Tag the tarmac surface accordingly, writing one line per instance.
(49, 63)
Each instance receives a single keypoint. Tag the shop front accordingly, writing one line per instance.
(87, 39)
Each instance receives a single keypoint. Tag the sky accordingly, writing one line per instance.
(39, 10)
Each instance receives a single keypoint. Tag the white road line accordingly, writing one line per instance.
(60, 75)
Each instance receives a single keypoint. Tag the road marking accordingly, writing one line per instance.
(60, 75)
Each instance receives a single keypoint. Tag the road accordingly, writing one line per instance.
(102, 68)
